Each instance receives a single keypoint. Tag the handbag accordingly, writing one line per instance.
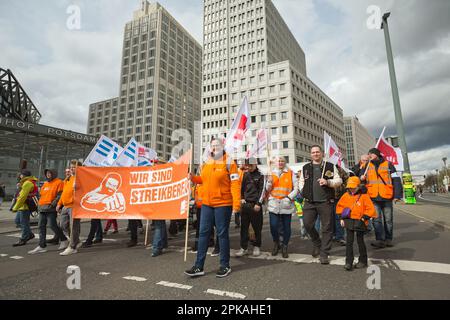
(347, 212)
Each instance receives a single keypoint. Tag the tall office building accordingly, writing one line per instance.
(160, 84)
(250, 51)
(359, 140)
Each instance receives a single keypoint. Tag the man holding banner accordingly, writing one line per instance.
(220, 198)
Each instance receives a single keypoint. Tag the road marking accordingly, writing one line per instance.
(3, 255)
(133, 278)
(225, 294)
(110, 240)
(272, 299)
(19, 235)
(104, 273)
(16, 257)
(414, 266)
(174, 285)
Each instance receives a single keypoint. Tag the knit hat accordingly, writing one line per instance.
(25, 173)
(376, 152)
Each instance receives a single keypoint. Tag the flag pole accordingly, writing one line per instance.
(146, 234)
(191, 169)
(327, 153)
(376, 146)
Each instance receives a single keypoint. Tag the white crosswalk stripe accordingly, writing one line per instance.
(133, 278)
(174, 285)
(225, 294)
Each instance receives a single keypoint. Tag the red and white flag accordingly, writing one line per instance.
(236, 135)
(260, 146)
(332, 152)
(391, 154)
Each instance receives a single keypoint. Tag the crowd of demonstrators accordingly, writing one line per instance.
(318, 181)
(252, 195)
(283, 188)
(321, 193)
(355, 209)
(220, 199)
(384, 186)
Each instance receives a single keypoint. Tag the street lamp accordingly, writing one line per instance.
(397, 107)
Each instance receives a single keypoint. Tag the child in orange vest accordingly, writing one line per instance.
(355, 210)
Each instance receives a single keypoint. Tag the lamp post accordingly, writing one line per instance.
(396, 97)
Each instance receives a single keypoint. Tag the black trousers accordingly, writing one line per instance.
(325, 212)
(133, 225)
(250, 216)
(361, 245)
(95, 231)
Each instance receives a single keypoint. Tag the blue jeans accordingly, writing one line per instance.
(220, 217)
(17, 219)
(159, 236)
(24, 218)
(384, 223)
(51, 218)
(285, 221)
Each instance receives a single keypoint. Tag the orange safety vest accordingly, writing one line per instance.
(282, 186)
(381, 184)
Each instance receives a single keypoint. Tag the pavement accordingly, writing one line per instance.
(417, 267)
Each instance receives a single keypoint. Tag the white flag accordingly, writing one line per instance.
(333, 153)
(129, 155)
(259, 148)
(146, 156)
(241, 124)
(104, 154)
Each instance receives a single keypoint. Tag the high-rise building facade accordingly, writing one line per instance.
(160, 84)
(359, 141)
(249, 51)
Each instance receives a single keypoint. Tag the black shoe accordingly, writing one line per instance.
(115, 232)
(215, 253)
(97, 241)
(378, 244)
(348, 267)
(276, 249)
(316, 252)
(389, 244)
(360, 265)
(32, 236)
(20, 243)
(86, 245)
(324, 260)
(156, 254)
(131, 244)
(54, 241)
(284, 252)
(194, 272)
(223, 272)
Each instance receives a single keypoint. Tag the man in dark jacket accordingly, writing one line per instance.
(252, 195)
(384, 186)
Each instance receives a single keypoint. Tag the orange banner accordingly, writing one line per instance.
(150, 193)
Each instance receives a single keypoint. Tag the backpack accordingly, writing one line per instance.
(32, 199)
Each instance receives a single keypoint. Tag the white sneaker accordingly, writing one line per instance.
(68, 252)
(37, 250)
(63, 245)
(256, 252)
(241, 253)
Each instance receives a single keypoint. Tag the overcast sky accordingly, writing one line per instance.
(63, 70)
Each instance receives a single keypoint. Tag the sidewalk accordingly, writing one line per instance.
(435, 214)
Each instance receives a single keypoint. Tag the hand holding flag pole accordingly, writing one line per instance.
(376, 146)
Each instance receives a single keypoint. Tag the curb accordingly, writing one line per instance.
(426, 219)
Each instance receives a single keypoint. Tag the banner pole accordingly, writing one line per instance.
(146, 235)
(191, 169)
(326, 156)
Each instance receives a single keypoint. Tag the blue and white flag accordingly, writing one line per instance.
(146, 156)
(104, 154)
(129, 155)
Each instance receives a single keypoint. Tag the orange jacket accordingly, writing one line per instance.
(50, 191)
(198, 195)
(66, 199)
(241, 175)
(360, 208)
(381, 184)
(221, 186)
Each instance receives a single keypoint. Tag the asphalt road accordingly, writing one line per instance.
(418, 267)
(436, 199)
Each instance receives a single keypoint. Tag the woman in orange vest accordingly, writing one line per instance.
(283, 188)
(220, 198)
(355, 209)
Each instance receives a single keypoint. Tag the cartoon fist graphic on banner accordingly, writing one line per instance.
(106, 198)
